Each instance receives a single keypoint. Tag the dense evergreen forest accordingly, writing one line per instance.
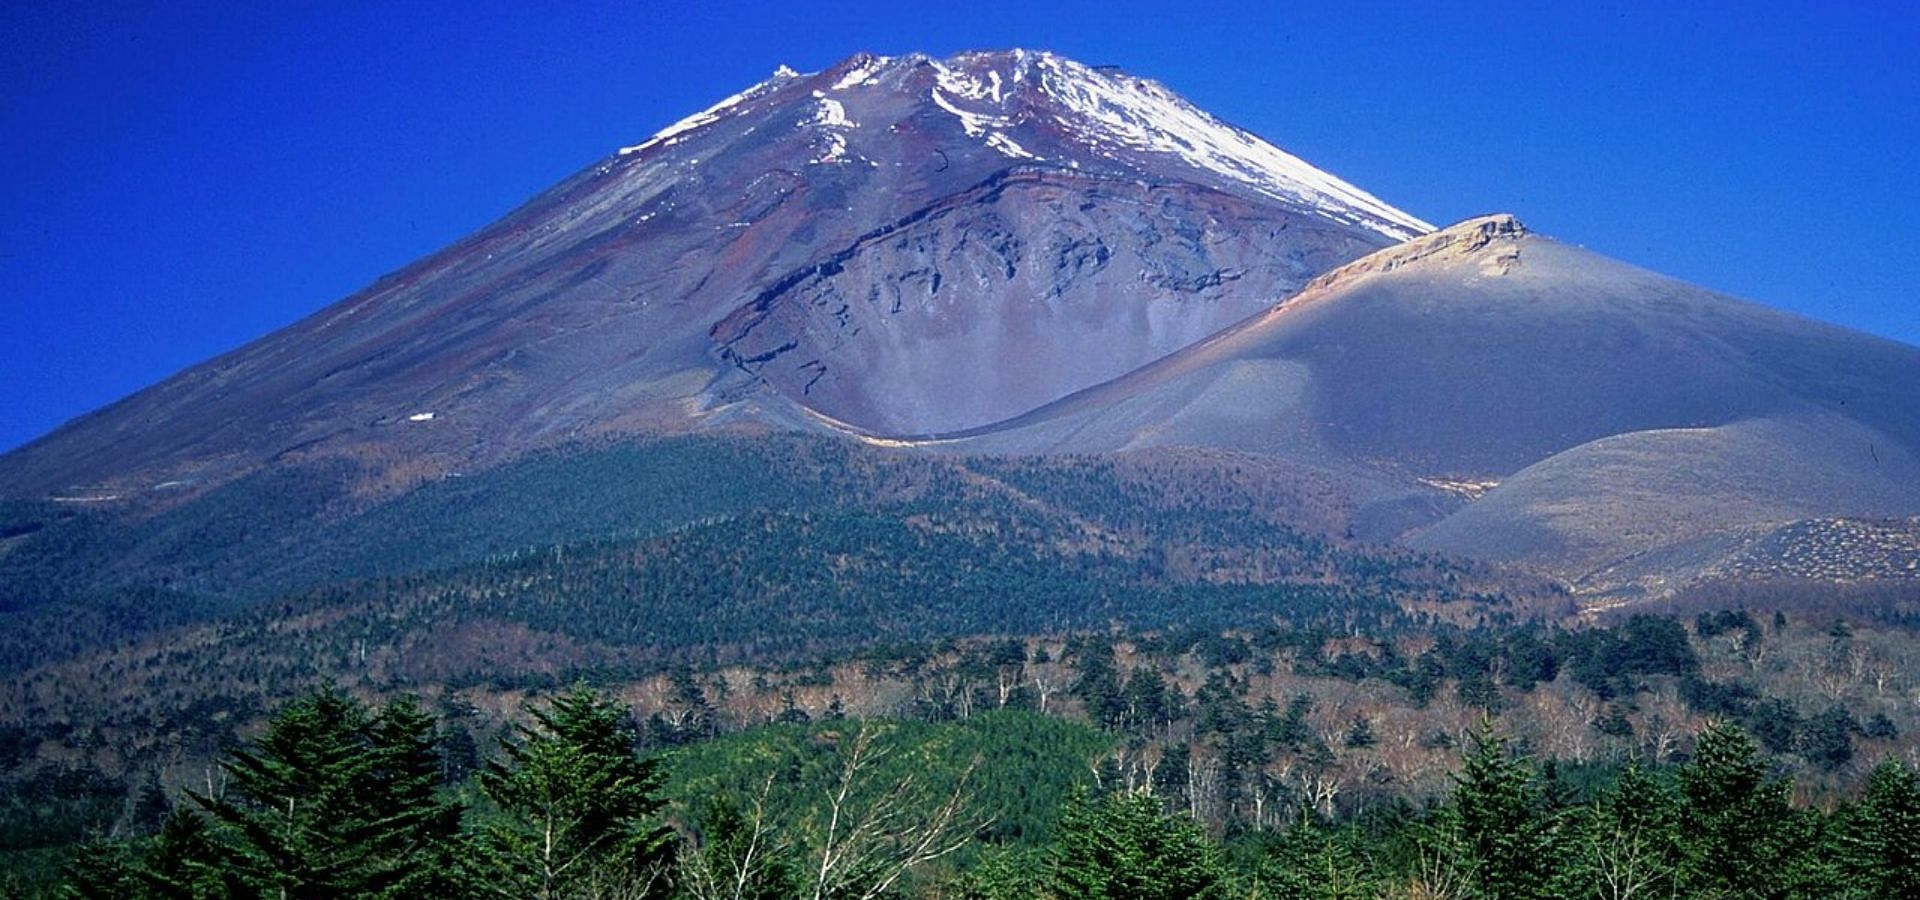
(640, 552)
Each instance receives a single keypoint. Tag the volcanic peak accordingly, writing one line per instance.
(1040, 107)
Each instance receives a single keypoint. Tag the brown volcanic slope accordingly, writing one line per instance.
(903, 244)
(1599, 418)
(1014, 253)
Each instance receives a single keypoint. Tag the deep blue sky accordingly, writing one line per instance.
(178, 178)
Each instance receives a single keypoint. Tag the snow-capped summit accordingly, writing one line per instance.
(1042, 108)
(1121, 116)
(1013, 253)
(895, 245)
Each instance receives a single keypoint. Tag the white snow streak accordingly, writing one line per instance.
(975, 125)
(861, 74)
(1141, 115)
(832, 114)
(670, 134)
(1007, 145)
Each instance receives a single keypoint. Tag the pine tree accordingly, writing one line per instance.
(578, 807)
(334, 802)
(1360, 735)
(1124, 848)
(1626, 843)
(738, 855)
(1736, 819)
(151, 807)
(415, 841)
(1003, 873)
(101, 870)
(184, 863)
(1311, 862)
(1501, 834)
(1880, 840)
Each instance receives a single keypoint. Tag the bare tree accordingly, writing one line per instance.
(713, 873)
(1626, 864)
(868, 845)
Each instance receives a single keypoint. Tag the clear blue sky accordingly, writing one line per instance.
(178, 178)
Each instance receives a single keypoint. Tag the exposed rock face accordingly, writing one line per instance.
(1027, 288)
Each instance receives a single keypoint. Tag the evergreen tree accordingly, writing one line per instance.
(184, 863)
(333, 802)
(459, 754)
(1501, 834)
(1828, 739)
(578, 807)
(1736, 819)
(1880, 841)
(1003, 873)
(1626, 843)
(1124, 848)
(736, 855)
(1098, 684)
(1360, 735)
(1310, 862)
(101, 870)
(416, 840)
(151, 806)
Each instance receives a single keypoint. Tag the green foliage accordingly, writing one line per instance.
(334, 801)
(1004, 873)
(1314, 862)
(576, 805)
(1739, 830)
(1124, 847)
(1035, 762)
(649, 552)
(1880, 837)
(736, 854)
(337, 800)
(1626, 843)
(1499, 832)
(58, 805)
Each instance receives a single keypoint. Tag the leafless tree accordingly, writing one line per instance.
(870, 841)
(708, 874)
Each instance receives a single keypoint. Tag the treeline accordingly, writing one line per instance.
(679, 528)
(340, 800)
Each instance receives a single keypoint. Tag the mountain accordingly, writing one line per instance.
(1591, 413)
(1009, 254)
(904, 244)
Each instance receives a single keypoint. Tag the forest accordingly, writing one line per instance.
(337, 799)
(1728, 754)
(851, 673)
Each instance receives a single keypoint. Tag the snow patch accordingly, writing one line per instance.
(975, 123)
(831, 114)
(861, 74)
(963, 84)
(836, 148)
(1007, 145)
(1139, 114)
(672, 133)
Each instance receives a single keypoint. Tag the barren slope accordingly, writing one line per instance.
(1587, 409)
